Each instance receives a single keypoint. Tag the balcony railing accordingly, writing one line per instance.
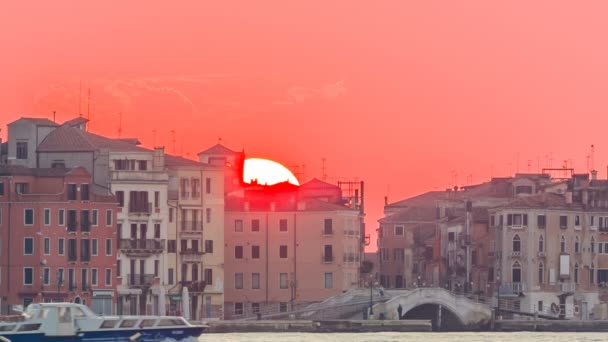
(85, 226)
(195, 286)
(139, 175)
(139, 280)
(328, 258)
(140, 208)
(72, 257)
(141, 246)
(568, 287)
(191, 226)
(72, 226)
(351, 257)
(327, 231)
(511, 289)
(190, 255)
(516, 254)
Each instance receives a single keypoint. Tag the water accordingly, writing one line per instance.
(397, 337)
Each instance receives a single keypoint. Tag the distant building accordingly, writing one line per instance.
(57, 239)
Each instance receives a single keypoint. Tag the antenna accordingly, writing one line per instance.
(89, 104)
(173, 140)
(323, 170)
(54, 116)
(80, 99)
(119, 124)
(592, 157)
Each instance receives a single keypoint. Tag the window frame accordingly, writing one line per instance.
(25, 210)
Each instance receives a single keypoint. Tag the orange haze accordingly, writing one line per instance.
(409, 96)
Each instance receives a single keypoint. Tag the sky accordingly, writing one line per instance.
(408, 96)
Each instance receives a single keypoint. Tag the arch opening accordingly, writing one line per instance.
(449, 320)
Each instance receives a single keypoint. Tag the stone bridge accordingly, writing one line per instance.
(445, 308)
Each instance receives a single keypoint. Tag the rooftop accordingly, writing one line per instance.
(218, 149)
(71, 139)
(37, 121)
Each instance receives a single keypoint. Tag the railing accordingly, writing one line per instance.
(72, 257)
(351, 257)
(72, 226)
(192, 256)
(511, 289)
(152, 245)
(85, 258)
(327, 231)
(85, 226)
(327, 258)
(191, 226)
(140, 208)
(516, 254)
(140, 279)
(568, 287)
(195, 286)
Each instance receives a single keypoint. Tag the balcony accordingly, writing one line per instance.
(72, 257)
(196, 286)
(327, 232)
(191, 256)
(139, 176)
(72, 227)
(85, 226)
(568, 287)
(327, 259)
(351, 257)
(511, 289)
(140, 208)
(191, 228)
(140, 280)
(542, 254)
(141, 247)
(85, 258)
(516, 254)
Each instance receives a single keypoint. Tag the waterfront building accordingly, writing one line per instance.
(57, 238)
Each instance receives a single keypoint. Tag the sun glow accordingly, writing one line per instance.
(267, 172)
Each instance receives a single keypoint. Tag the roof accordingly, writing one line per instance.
(180, 161)
(71, 139)
(76, 121)
(218, 149)
(544, 200)
(38, 121)
(9, 170)
(418, 214)
(318, 184)
(237, 204)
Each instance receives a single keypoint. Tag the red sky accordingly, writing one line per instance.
(406, 95)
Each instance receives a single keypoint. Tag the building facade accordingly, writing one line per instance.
(57, 239)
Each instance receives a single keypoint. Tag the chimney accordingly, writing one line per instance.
(159, 157)
(385, 200)
(593, 174)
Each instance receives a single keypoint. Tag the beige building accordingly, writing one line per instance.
(195, 237)
(288, 245)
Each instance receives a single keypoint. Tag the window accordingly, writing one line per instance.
(541, 221)
(238, 226)
(451, 236)
(28, 217)
(208, 185)
(170, 276)
(1, 189)
(170, 214)
(592, 245)
(516, 272)
(238, 252)
(85, 250)
(523, 189)
(156, 267)
(109, 247)
(156, 199)
(283, 252)
(208, 215)
(85, 223)
(563, 221)
(108, 277)
(94, 277)
(171, 246)
(328, 227)
(209, 246)
(61, 246)
(120, 197)
(562, 245)
(398, 254)
(28, 276)
(541, 272)
(109, 218)
(283, 307)
(46, 276)
(238, 308)
(47, 246)
(72, 220)
(118, 264)
(592, 274)
(255, 252)
(208, 276)
(84, 192)
(282, 225)
(21, 149)
(576, 270)
(28, 246)
(238, 281)
(255, 225)
(184, 184)
(283, 281)
(541, 244)
(592, 221)
(577, 245)
(329, 280)
(516, 244)
(255, 281)
(327, 253)
(540, 306)
(195, 187)
(517, 220)
(94, 247)
(61, 217)
(157, 230)
(577, 221)
(599, 247)
(95, 217)
(22, 188)
(47, 216)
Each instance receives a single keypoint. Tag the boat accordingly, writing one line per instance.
(76, 322)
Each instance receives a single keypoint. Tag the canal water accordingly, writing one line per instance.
(416, 337)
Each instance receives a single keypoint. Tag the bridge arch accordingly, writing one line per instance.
(468, 313)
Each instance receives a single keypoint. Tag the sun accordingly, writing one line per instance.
(267, 172)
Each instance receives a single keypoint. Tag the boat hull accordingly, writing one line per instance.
(151, 335)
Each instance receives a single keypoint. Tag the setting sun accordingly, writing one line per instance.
(267, 172)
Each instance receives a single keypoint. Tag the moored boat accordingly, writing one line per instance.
(76, 322)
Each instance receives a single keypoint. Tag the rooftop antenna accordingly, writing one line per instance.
(323, 170)
(119, 124)
(529, 165)
(88, 107)
(54, 116)
(592, 157)
(219, 140)
(173, 139)
(80, 99)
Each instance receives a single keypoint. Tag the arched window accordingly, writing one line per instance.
(541, 273)
(592, 274)
(577, 245)
(576, 273)
(592, 245)
(541, 244)
(562, 245)
(516, 243)
(516, 272)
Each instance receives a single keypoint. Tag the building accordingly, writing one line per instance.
(288, 246)
(57, 238)
(195, 255)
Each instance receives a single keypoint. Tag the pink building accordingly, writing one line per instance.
(57, 238)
